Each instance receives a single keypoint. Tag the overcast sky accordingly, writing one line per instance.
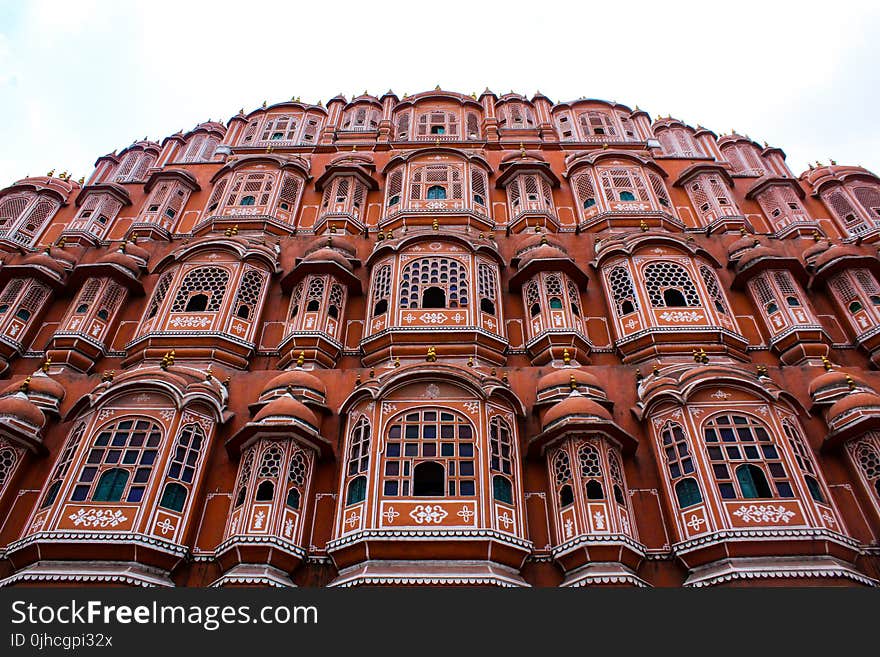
(81, 78)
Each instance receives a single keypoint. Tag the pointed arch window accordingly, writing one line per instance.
(563, 479)
(486, 288)
(381, 290)
(591, 471)
(9, 459)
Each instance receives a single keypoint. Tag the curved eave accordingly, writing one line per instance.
(513, 168)
(179, 175)
(565, 265)
(119, 274)
(577, 425)
(116, 191)
(50, 278)
(358, 171)
(591, 158)
(29, 439)
(630, 244)
(839, 179)
(754, 267)
(290, 104)
(770, 181)
(305, 267)
(38, 188)
(703, 167)
(844, 262)
(299, 431)
(220, 243)
(863, 424)
(471, 245)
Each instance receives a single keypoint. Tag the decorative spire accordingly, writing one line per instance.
(45, 365)
(26, 384)
(431, 356)
(107, 376)
(826, 363)
(167, 360)
(208, 373)
(643, 226)
(572, 383)
(566, 357)
(301, 359)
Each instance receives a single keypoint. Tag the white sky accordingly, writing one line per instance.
(81, 78)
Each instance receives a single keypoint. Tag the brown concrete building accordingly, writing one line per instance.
(441, 339)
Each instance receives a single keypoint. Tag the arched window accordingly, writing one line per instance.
(625, 184)
(502, 489)
(130, 446)
(804, 459)
(297, 471)
(381, 290)
(443, 438)
(445, 274)
(207, 282)
(436, 181)
(752, 481)
(434, 297)
(866, 455)
(675, 446)
(8, 461)
(591, 471)
(357, 490)
(669, 285)
(616, 477)
(562, 478)
(687, 492)
(486, 288)
(437, 122)
(358, 461)
(248, 294)
(316, 295)
(63, 465)
(111, 485)
(714, 289)
(429, 479)
(501, 459)
(436, 192)
(734, 440)
(622, 291)
(869, 199)
(267, 474)
(584, 190)
(183, 466)
(173, 497)
(244, 476)
(159, 294)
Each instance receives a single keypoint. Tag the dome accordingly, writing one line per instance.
(135, 251)
(20, 408)
(123, 260)
(46, 261)
(820, 246)
(533, 240)
(328, 255)
(39, 385)
(562, 378)
(869, 401)
(575, 405)
(835, 252)
(756, 254)
(286, 407)
(297, 378)
(543, 252)
(742, 244)
(338, 243)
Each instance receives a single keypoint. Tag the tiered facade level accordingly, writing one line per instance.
(441, 339)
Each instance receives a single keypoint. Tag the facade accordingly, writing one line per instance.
(441, 339)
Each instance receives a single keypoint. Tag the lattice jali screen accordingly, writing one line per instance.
(444, 273)
(714, 289)
(662, 276)
(622, 290)
(210, 281)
